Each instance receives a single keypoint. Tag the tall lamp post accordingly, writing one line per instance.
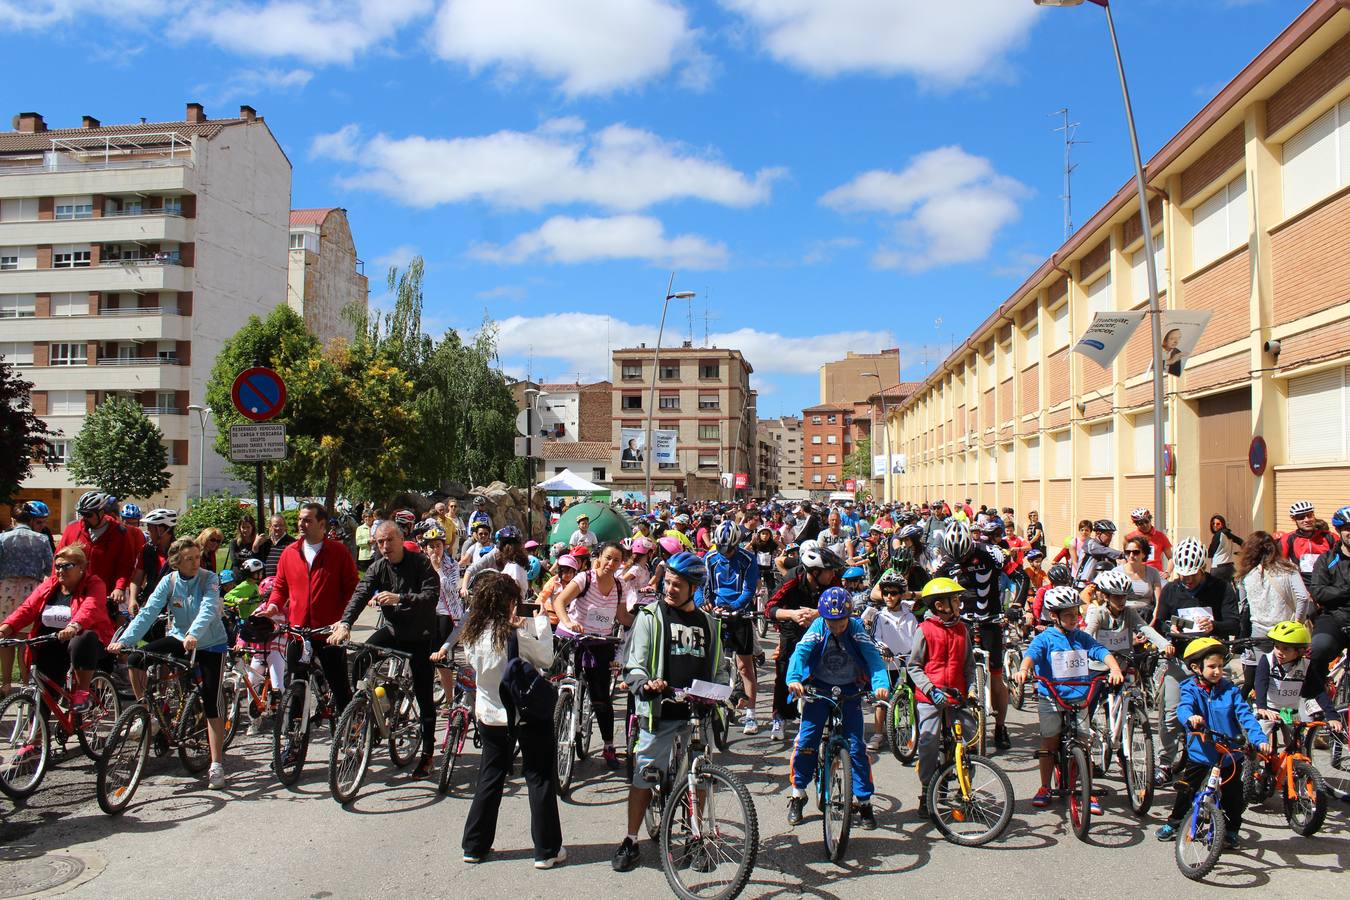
(202, 412)
(1150, 266)
(656, 365)
(886, 430)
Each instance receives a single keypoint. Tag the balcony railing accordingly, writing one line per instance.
(138, 311)
(159, 259)
(161, 410)
(119, 213)
(137, 361)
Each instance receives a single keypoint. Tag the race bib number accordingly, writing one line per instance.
(764, 559)
(1115, 641)
(1194, 614)
(1284, 693)
(54, 616)
(1306, 563)
(598, 620)
(1069, 665)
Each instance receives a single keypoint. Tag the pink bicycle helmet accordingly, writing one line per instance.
(670, 545)
(570, 561)
(642, 546)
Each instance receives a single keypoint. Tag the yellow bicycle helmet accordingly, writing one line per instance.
(1290, 633)
(1199, 648)
(942, 587)
(434, 533)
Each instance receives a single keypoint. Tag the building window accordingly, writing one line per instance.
(670, 371)
(815, 439)
(709, 369)
(632, 370)
(58, 452)
(816, 479)
(832, 439)
(65, 403)
(69, 355)
(598, 473)
(631, 401)
(832, 478)
(1033, 344)
(166, 351)
(17, 306)
(1101, 449)
(70, 258)
(166, 403)
(1099, 295)
(815, 420)
(667, 465)
(710, 401)
(1220, 223)
(668, 401)
(1059, 320)
(173, 206)
(297, 241)
(9, 261)
(815, 459)
(1317, 160)
(1031, 458)
(74, 207)
(70, 304)
(1063, 458)
(1139, 270)
(831, 459)
(1320, 404)
(709, 432)
(20, 209)
(707, 460)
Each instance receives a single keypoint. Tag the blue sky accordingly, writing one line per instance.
(828, 176)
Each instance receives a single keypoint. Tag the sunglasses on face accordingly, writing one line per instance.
(61, 567)
(1301, 516)
(891, 593)
(1134, 552)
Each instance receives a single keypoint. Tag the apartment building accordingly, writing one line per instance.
(764, 479)
(324, 276)
(876, 409)
(128, 254)
(829, 432)
(856, 377)
(786, 434)
(704, 394)
(1251, 212)
(574, 426)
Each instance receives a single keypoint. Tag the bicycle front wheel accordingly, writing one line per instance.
(350, 753)
(1200, 840)
(973, 817)
(1076, 783)
(1136, 759)
(24, 749)
(454, 742)
(709, 835)
(564, 732)
(122, 764)
(94, 725)
(405, 731)
(290, 734)
(194, 750)
(1305, 799)
(1333, 763)
(1017, 693)
(902, 731)
(233, 691)
(838, 796)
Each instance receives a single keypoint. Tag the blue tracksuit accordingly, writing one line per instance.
(1224, 711)
(732, 580)
(825, 662)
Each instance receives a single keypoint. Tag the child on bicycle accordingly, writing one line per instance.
(892, 626)
(836, 651)
(1280, 675)
(941, 668)
(1062, 654)
(673, 644)
(1210, 701)
(852, 581)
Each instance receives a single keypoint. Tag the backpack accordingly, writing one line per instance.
(525, 692)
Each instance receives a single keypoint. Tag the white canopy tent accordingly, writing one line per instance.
(568, 482)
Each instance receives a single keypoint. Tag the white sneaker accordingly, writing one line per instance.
(215, 777)
(776, 730)
(255, 725)
(556, 860)
(748, 721)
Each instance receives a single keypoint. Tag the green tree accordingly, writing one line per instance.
(23, 436)
(858, 464)
(216, 511)
(120, 451)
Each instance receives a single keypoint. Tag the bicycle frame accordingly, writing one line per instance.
(1214, 782)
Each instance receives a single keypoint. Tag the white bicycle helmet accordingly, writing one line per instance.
(958, 540)
(1113, 582)
(91, 501)
(1058, 599)
(166, 517)
(727, 537)
(1189, 558)
(1140, 514)
(818, 557)
(253, 565)
(1296, 509)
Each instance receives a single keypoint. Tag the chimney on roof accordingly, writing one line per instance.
(29, 123)
(247, 113)
(688, 345)
(196, 114)
(88, 122)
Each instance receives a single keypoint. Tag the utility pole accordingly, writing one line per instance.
(1070, 130)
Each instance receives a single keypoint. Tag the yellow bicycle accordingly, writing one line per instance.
(969, 797)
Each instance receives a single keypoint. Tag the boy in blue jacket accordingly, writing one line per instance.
(1210, 700)
(836, 651)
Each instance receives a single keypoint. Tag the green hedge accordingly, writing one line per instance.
(216, 511)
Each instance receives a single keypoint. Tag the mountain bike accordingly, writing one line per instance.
(573, 718)
(834, 771)
(1290, 771)
(902, 717)
(969, 798)
(383, 707)
(459, 721)
(168, 716)
(1073, 774)
(1013, 647)
(241, 692)
(1199, 840)
(307, 698)
(705, 817)
(25, 736)
(980, 690)
(1122, 730)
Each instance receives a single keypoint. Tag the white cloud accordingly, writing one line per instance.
(951, 206)
(504, 292)
(317, 31)
(35, 14)
(618, 167)
(946, 43)
(399, 257)
(248, 83)
(573, 337)
(587, 46)
(564, 239)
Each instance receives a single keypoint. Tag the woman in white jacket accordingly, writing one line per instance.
(1270, 590)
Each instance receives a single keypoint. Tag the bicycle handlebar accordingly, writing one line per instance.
(27, 642)
(1092, 684)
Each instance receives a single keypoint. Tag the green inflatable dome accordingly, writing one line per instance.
(607, 524)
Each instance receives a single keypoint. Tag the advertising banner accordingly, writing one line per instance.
(899, 463)
(878, 465)
(1181, 330)
(633, 446)
(742, 480)
(1107, 334)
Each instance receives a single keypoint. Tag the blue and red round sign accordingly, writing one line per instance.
(1256, 456)
(259, 394)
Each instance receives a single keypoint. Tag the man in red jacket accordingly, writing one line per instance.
(1306, 542)
(105, 542)
(316, 577)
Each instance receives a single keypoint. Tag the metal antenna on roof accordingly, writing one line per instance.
(1070, 130)
(707, 316)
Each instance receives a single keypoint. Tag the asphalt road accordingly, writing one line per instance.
(401, 838)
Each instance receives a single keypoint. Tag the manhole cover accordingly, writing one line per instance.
(29, 876)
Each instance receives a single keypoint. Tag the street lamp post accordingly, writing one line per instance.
(202, 412)
(656, 364)
(1150, 266)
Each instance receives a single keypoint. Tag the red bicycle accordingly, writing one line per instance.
(458, 720)
(26, 746)
(1073, 773)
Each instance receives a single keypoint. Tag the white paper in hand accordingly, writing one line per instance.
(707, 690)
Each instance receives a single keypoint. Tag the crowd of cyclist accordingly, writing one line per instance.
(859, 595)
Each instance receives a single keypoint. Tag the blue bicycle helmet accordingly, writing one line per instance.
(853, 572)
(36, 509)
(508, 534)
(835, 603)
(689, 567)
(131, 511)
(727, 537)
(1340, 518)
(226, 575)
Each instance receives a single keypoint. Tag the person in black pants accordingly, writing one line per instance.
(406, 588)
(492, 634)
(793, 608)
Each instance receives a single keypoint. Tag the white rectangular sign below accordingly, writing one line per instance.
(257, 443)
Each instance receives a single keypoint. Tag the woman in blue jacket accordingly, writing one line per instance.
(191, 594)
(836, 651)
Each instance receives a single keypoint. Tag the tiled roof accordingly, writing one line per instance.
(595, 451)
(310, 216)
(19, 141)
(572, 386)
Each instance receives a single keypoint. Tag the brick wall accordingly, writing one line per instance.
(594, 419)
(1094, 497)
(39, 401)
(1132, 230)
(1325, 72)
(1212, 374)
(1139, 349)
(1057, 384)
(1057, 419)
(1314, 343)
(1031, 390)
(987, 411)
(1139, 395)
(1224, 289)
(1215, 162)
(1095, 258)
(1056, 515)
(1005, 401)
(1326, 487)
(1309, 266)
